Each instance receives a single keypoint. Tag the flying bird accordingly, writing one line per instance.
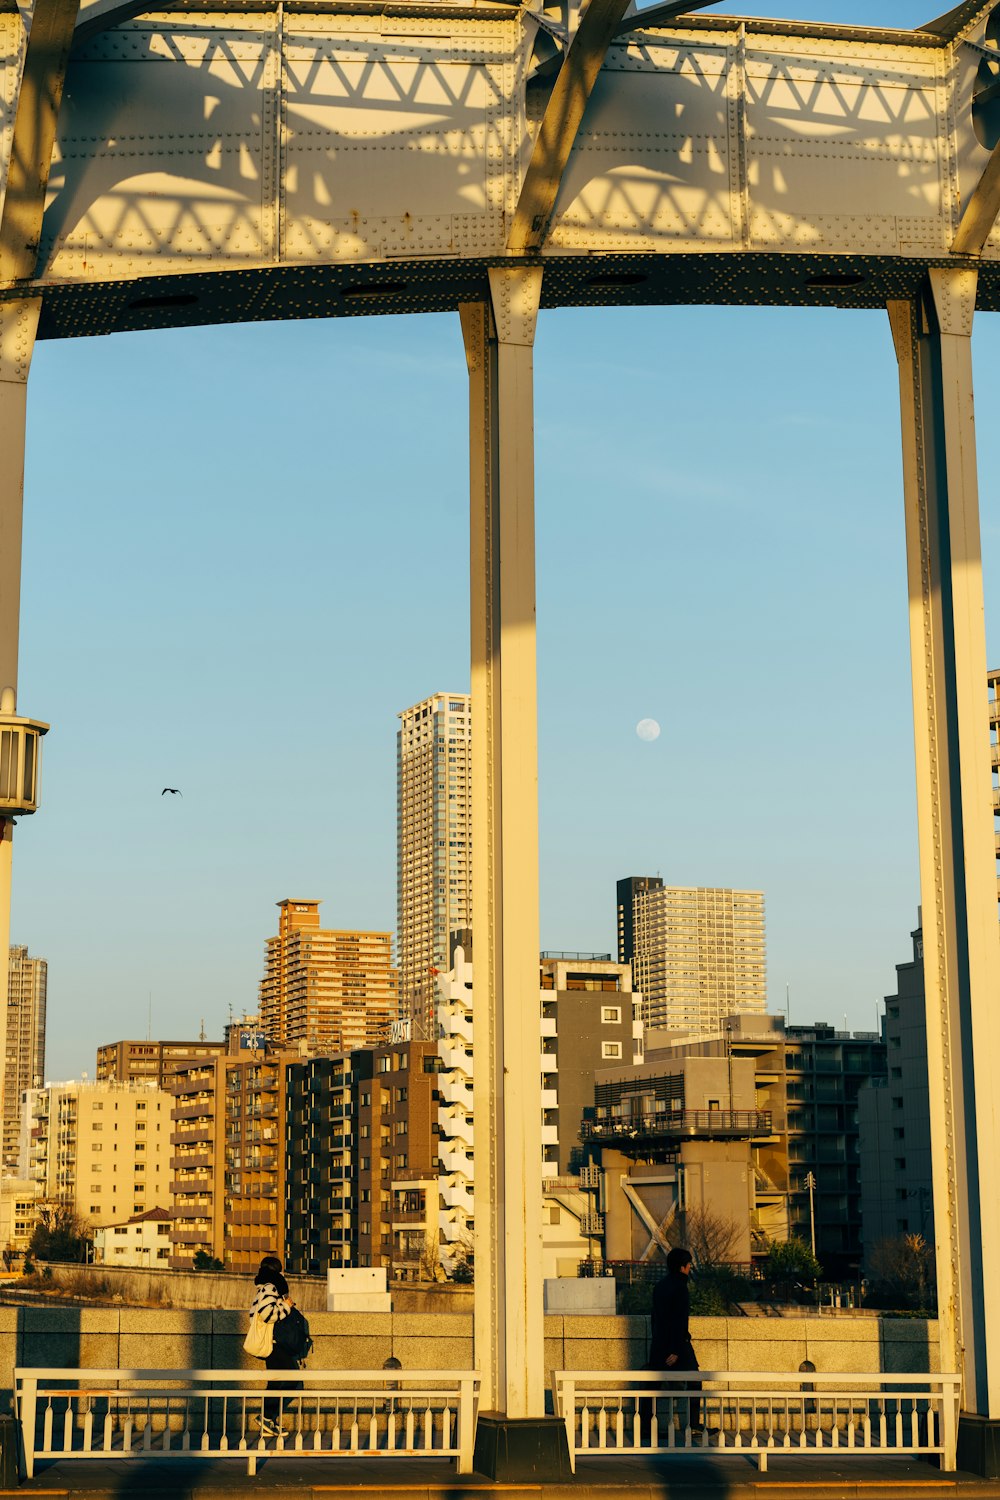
(174, 790)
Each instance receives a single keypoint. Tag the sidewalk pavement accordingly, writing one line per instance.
(706, 1477)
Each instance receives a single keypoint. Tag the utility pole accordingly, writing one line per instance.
(811, 1185)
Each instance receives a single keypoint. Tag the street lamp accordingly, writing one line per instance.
(20, 759)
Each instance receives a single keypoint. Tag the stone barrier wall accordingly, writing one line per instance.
(149, 1338)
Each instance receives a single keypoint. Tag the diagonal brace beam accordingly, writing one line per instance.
(565, 110)
(980, 211)
(39, 98)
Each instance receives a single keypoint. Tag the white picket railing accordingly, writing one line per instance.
(136, 1414)
(758, 1412)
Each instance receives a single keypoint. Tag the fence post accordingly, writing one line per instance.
(949, 1422)
(565, 1394)
(466, 1423)
(27, 1397)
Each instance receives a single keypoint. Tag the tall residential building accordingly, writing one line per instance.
(25, 1060)
(228, 1159)
(697, 953)
(331, 990)
(101, 1148)
(433, 845)
(150, 1062)
(894, 1119)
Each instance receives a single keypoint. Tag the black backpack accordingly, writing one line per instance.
(292, 1333)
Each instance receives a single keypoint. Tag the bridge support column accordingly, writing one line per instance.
(515, 1441)
(18, 324)
(961, 942)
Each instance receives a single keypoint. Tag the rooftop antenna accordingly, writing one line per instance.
(149, 1018)
(788, 1005)
(201, 1034)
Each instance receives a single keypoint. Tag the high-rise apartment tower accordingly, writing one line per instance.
(333, 990)
(434, 844)
(697, 953)
(25, 1061)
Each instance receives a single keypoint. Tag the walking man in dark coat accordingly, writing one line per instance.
(671, 1347)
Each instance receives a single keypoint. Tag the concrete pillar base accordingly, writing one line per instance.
(516, 1450)
(978, 1449)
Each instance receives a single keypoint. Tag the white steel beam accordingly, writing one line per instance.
(509, 1343)
(18, 324)
(954, 818)
(43, 74)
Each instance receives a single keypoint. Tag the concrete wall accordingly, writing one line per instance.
(149, 1338)
(216, 1289)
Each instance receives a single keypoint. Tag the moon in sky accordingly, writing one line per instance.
(648, 729)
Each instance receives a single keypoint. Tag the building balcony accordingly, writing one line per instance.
(191, 1159)
(679, 1125)
(592, 1224)
(409, 1216)
(198, 1110)
(192, 1236)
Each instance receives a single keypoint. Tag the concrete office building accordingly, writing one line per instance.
(807, 1080)
(433, 845)
(697, 954)
(330, 990)
(894, 1119)
(149, 1061)
(674, 1137)
(588, 1017)
(101, 1148)
(27, 984)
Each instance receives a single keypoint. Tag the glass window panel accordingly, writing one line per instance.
(29, 767)
(8, 764)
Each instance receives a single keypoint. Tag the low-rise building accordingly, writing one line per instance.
(143, 1240)
(19, 1204)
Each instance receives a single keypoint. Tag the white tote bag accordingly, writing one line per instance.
(260, 1340)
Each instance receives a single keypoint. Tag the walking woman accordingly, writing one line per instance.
(272, 1304)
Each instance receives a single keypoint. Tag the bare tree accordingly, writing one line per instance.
(712, 1239)
(903, 1268)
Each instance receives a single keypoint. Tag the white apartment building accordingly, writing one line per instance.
(601, 1025)
(433, 845)
(103, 1148)
(24, 1066)
(698, 954)
(142, 1241)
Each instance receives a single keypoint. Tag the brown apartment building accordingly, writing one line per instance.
(229, 1159)
(150, 1062)
(333, 990)
(362, 1160)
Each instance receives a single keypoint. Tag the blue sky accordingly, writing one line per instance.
(246, 550)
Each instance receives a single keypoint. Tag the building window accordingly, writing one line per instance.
(611, 1014)
(611, 1049)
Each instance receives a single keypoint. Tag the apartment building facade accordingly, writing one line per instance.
(101, 1148)
(362, 1160)
(897, 1195)
(698, 954)
(229, 1159)
(24, 1067)
(150, 1061)
(588, 1018)
(330, 990)
(433, 846)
